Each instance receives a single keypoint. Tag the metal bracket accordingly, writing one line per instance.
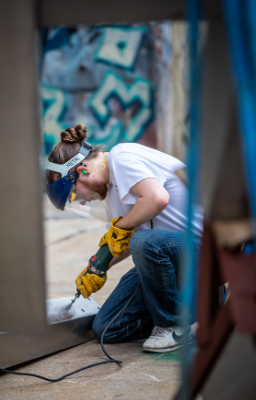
(66, 327)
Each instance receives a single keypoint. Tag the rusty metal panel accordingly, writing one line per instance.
(239, 270)
(22, 291)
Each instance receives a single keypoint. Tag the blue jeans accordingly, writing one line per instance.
(157, 256)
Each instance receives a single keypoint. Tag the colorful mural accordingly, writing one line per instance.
(101, 76)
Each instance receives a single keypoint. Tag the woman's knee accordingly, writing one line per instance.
(97, 327)
(138, 241)
(152, 239)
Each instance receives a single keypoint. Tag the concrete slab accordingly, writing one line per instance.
(141, 376)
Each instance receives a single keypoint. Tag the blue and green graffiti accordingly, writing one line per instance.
(140, 91)
(53, 108)
(120, 46)
(98, 76)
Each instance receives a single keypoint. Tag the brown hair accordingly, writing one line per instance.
(69, 146)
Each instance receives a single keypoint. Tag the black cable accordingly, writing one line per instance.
(57, 379)
(111, 360)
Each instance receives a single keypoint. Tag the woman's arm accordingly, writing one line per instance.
(153, 198)
(116, 260)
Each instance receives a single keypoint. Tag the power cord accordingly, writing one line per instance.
(111, 360)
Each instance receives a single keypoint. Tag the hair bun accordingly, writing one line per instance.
(77, 135)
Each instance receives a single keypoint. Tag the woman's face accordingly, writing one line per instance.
(91, 185)
(83, 194)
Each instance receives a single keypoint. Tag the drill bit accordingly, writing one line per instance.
(73, 300)
(76, 296)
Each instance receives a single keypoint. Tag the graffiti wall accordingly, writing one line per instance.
(101, 76)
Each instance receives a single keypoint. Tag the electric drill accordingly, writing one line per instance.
(98, 264)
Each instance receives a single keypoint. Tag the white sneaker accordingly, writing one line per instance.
(165, 339)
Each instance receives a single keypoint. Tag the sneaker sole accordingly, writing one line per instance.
(164, 349)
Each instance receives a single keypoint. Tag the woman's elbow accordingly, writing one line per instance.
(165, 200)
(162, 201)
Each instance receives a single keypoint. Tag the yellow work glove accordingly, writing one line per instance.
(118, 240)
(88, 283)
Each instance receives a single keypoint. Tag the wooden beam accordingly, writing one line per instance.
(22, 280)
(66, 12)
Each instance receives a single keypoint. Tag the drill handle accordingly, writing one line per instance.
(101, 259)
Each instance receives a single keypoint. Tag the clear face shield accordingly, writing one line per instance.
(65, 195)
(86, 203)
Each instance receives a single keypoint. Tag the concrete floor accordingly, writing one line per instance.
(141, 376)
(70, 241)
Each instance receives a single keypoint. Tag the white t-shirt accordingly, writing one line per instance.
(130, 163)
